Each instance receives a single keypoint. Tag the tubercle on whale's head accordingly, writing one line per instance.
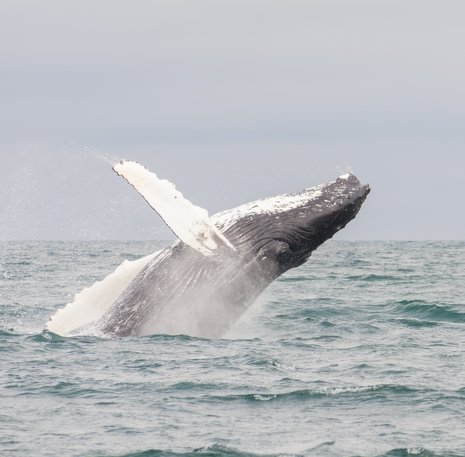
(282, 232)
(311, 224)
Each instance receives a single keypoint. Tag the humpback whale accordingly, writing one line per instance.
(219, 265)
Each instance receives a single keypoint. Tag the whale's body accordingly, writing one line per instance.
(203, 283)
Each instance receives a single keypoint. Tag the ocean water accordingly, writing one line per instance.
(359, 352)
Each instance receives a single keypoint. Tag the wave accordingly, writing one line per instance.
(371, 392)
(318, 313)
(7, 333)
(215, 450)
(378, 277)
(417, 323)
(175, 338)
(316, 309)
(296, 278)
(52, 339)
(418, 452)
(436, 312)
(47, 337)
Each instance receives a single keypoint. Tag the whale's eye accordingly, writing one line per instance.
(275, 250)
(275, 257)
(282, 252)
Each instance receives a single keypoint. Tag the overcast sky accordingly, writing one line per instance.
(232, 100)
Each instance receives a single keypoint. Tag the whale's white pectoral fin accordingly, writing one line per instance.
(93, 302)
(190, 223)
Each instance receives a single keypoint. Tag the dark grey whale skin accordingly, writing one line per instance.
(267, 245)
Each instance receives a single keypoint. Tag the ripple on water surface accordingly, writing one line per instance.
(359, 352)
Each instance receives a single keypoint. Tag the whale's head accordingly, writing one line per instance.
(282, 232)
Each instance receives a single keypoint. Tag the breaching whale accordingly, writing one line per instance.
(203, 283)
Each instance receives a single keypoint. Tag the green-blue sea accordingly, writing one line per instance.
(359, 352)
